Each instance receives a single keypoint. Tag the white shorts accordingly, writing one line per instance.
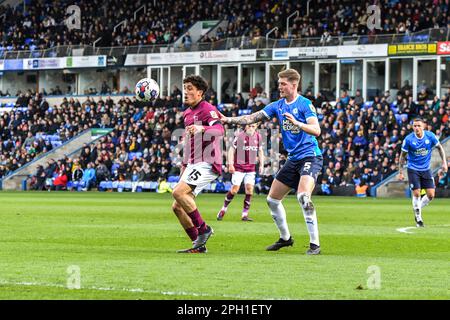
(199, 175)
(248, 177)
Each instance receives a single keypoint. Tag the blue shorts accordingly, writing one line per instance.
(420, 179)
(291, 172)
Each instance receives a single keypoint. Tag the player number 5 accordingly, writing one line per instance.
(307, 166)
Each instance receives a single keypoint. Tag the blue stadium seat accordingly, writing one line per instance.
(114, 167)
(56, 144)
(367, 104)
(102, 186)
(173, 179)
(153, 185)
(147, 185)
(363, 40)
(115, 184)
(109, 185)
(81, 185)
(244, 112)
(127, 185)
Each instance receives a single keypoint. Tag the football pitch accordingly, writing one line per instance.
(123, 246)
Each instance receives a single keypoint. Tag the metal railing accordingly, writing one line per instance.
(425, 36)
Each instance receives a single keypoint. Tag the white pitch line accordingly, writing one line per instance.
(405, 230)
(140, 290)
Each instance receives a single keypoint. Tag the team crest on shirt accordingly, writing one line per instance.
(312, 108)
(214, 114)
(427, 141)
(295, 111)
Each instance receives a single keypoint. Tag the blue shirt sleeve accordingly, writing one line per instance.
(270, 110)
(308, 110)
(405, 145)
(434, 140)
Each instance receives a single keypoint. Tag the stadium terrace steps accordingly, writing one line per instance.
(71, 147)
(393, 187)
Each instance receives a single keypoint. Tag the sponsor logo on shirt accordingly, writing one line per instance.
(421, 152)
(288, 126)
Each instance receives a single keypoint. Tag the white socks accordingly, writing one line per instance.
(309, 212)
(417, 207)
(279, 216)
(425, 201)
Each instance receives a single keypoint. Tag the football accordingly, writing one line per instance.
(146, 89)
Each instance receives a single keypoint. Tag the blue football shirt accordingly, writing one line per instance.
(297, 143)
(419, 150)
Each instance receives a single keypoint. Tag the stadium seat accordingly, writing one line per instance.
(56, 144)
(147, 186)
(128, 185)
(244, 111)
(173, 179)
(81, 185)
(102, 186)
(153, 185)
(367, 104)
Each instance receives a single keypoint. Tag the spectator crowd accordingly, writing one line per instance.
(41, 24)
(360, 141)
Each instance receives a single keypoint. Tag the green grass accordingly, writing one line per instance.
(125, 246)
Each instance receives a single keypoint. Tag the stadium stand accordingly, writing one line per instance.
(41, 25)
(360, 141)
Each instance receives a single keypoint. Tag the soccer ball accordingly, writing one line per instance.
(146, 89)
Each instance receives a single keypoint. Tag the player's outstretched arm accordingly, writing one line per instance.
(243, 120)
(443, 157)
(401, 161)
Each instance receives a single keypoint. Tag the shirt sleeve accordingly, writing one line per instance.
(405, 145)
(309, 111)
(211, 116)
(434, 140)
(270, 110)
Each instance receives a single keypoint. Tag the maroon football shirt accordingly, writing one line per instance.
(246, 151)
(205, 147)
